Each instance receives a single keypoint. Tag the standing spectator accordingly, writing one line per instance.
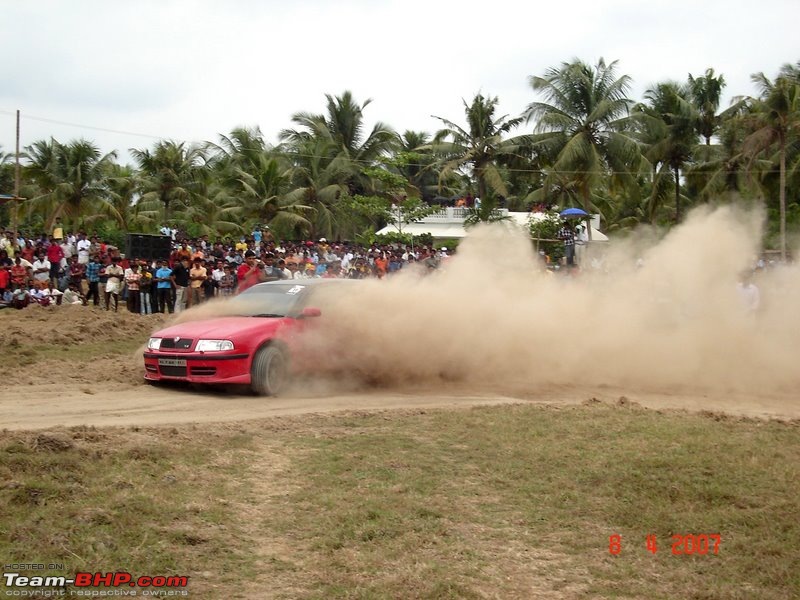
(272, 272)
(181, 279)
(218, 273)
(226, 282)
(381, 265)
(28, 252)
(567, 235)
(41, 270)
(114, 273)
(164, 282)
(93, 278)
(103, 278)
(145, 289)
(5, 278)
(209, 284)
(132, 278)
(197, 275)
(76, 273)
(55, 255)
(84, 246)
(182, 252)
(250, 272)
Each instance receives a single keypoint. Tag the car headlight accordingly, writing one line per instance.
(213, 345)
(154, 343)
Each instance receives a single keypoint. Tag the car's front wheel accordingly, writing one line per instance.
(269, 372)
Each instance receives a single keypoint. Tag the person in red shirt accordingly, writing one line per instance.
(249, 272)
(28, 251)
(54, 254)
(5, 278)
(19, 275)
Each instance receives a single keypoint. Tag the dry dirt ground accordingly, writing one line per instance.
(59, 376)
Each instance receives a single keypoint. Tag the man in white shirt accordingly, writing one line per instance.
(83, 246)
(41, 269)
(217, 274)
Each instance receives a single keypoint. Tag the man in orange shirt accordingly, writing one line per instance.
(182, 253)
(381, 265)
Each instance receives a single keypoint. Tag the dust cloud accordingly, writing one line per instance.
(651, 313)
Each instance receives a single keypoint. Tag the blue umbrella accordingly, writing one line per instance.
(573, 212)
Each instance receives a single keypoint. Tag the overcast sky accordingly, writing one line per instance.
(192, 69)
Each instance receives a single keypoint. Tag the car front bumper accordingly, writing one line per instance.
(197, 368)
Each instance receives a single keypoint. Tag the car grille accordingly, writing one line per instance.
(204, 371)
(179, 344)
(172, 371)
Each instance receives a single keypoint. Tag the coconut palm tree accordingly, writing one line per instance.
(775, 121)
(71, 177)
(256, 178)
(170, 174)
(582, 124)
(479, 147)
(318, 183)
(706, 94)
(415, 161)
(668, 120)
(723, 172)
(340, 132)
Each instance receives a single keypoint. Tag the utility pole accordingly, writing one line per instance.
(16, 188)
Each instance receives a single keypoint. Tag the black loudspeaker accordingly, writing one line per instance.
(148, 247)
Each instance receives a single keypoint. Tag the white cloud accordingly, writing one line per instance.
(190, 70)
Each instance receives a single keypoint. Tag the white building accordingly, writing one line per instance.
(449, 223)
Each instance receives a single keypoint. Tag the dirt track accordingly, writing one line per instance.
(43, 406)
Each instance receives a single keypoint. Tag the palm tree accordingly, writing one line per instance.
(706, 94)
(341, 133)
(415, 161)
(256, 178)
(122, 184)
(170, 174)
(668, 119)
(71, 177)
(775, 118)
(722, 173)
(582, 125)
(479, 147)
(317, 184)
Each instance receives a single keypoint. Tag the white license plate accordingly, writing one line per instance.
(172, 362)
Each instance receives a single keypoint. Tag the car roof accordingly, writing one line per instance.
(305, 282)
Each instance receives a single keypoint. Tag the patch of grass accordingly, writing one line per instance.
(507, 502)
(143, 501)
(473, 500)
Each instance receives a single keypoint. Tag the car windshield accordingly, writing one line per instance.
(269, 300)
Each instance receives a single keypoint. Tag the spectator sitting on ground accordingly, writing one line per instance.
(73, 296)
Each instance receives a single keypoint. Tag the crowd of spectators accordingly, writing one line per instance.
(79, 269)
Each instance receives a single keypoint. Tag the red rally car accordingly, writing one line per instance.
(251, 345)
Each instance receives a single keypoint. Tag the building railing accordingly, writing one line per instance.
(452, 214)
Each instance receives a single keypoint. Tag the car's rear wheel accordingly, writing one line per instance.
(270, 371)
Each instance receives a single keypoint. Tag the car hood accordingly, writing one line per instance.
(219, 329)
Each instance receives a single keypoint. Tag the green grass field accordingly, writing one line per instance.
(502, 502)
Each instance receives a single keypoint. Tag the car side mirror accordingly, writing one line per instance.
(310, 312)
